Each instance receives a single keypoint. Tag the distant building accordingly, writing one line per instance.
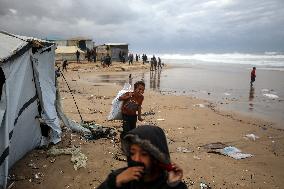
(113, 49)
(66, 48)
(81, 42)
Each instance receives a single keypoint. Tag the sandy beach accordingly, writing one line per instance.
(189, 122)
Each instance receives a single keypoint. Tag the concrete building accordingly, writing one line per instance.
(113, 49)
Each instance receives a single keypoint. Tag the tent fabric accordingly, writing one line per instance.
(10, 45)
(30, 83)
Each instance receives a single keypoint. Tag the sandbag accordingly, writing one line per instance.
(115, 112)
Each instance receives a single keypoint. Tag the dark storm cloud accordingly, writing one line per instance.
(161, 26)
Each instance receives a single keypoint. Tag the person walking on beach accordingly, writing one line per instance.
(64, 65)
(132, 102)
(252, 76)
(149, 165)
(130, 61)
(107, 60)
(159, 63)
(78, 56)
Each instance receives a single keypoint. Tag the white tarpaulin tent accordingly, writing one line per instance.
(68, 53)
(28, 93)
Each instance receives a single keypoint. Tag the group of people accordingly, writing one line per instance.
(148, 158)
(155, 63)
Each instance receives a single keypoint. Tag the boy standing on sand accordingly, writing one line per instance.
(132, 102)
(252, 76)
(149, 164)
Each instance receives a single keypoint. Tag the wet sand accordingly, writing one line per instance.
(187, 124)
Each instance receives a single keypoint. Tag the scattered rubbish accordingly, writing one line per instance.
(199, 105)
(251, 137)
(33, 166)
(204, 186)
(271, 96)
(183, 150)
(99, 131)
(227, 94)
(215, 145)
(119, 157)
(148, 113)
(233, 152)
(196, 157)
(223, 149)
(79, 159)
(160, 119)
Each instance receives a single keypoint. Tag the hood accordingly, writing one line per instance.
(151, 138)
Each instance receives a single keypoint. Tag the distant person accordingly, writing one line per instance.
(159, 63)
(152, 64)
(131, 107)
(78, 56)
(130, 79)
(252, 76)
(64, 65)
(57, 72)
(149, 164)
(130, 61)
(155, 62)
(94, 55)
(136, 56)
(107, 60)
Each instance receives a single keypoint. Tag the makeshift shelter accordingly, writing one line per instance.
(68, 53)
(113, 49)
(28, 98)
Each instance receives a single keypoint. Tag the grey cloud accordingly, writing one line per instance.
(163, 25)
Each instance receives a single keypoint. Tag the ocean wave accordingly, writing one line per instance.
(271, 59)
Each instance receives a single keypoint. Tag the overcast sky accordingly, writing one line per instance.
(154, 26)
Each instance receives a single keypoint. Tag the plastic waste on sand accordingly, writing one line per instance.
(115, 112)
(251, 136)
(233, 152)
(183, 150)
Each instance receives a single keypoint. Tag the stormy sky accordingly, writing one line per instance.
(158, 26)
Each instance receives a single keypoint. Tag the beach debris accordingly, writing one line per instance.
(271, 96)
(251, 137)
(151, 112)
(99, 131)
(183, 150)
(232, 152)
(77, 157)
(221, 148)
(196, 157)
(160, 119)
(213, 146)
(119, 157)
(199, 105)
(204, 186)
(227, 94)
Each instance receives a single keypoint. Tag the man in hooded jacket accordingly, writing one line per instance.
(149, 165)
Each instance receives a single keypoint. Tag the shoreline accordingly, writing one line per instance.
(187, 125)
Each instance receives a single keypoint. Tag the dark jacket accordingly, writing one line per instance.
(153, 140)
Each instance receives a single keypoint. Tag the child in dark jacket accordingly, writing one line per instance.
(149, 165)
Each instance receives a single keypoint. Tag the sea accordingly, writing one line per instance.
(224, 79)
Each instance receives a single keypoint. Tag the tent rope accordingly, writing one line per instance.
(72, 96)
